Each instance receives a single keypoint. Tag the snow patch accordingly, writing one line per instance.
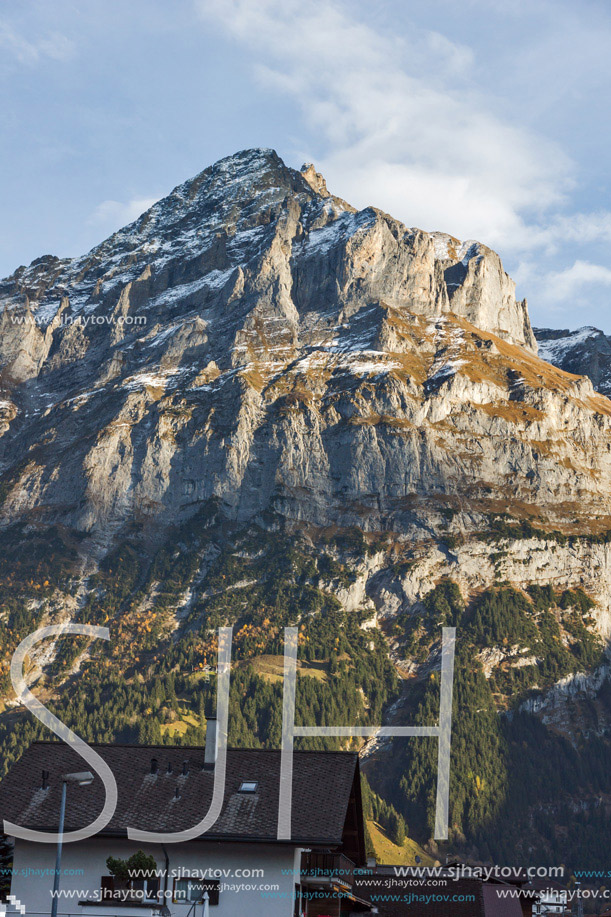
(554, 350)
(321, 240)
(448, 248)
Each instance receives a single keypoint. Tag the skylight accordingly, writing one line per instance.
(248, 786)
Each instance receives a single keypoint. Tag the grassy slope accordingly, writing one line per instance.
(388, 853)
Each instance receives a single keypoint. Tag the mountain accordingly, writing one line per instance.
(586, 352)
(292, 353)
(258, 405)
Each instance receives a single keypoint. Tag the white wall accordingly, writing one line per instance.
(83, 864)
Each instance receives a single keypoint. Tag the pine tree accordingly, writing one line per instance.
(397, 829)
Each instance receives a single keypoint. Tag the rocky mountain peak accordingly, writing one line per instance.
(314, 179)
(254, 338)
(224, 215)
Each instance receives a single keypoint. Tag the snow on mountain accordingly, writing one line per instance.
(585, 352)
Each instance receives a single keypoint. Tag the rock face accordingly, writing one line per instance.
(479, 289)
(252, 337)
(254, 364)
(586, 352)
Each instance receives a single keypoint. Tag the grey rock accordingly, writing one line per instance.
(254, 338)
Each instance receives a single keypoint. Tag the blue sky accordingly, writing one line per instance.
(483, 118)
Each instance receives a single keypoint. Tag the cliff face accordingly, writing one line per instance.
(252, 337)
(256, 352)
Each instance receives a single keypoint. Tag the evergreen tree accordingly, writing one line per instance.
(397, 829)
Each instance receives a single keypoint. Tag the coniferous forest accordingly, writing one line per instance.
(515, 782)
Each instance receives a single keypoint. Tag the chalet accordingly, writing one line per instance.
(238, 867)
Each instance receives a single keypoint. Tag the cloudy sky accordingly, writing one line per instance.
(485, 118)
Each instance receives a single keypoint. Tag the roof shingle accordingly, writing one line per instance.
(322, 784)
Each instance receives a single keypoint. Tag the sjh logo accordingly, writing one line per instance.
(443, 732)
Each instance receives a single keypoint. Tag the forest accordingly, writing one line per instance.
(512, 777)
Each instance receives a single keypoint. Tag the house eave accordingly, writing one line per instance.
(213, 838)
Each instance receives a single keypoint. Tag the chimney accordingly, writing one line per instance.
(211, 741)
(154, 766)
(45, 780)
(185, 768)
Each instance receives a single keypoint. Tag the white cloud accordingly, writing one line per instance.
(459, 59)
(30, 51)
(575, 282)
(400, 123)
(113, 215)
(584, 228)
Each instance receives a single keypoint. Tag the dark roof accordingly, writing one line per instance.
(322, 791)
(419, 899)
(435, 897)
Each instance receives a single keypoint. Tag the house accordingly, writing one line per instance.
(553, 899)
(239, 862)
